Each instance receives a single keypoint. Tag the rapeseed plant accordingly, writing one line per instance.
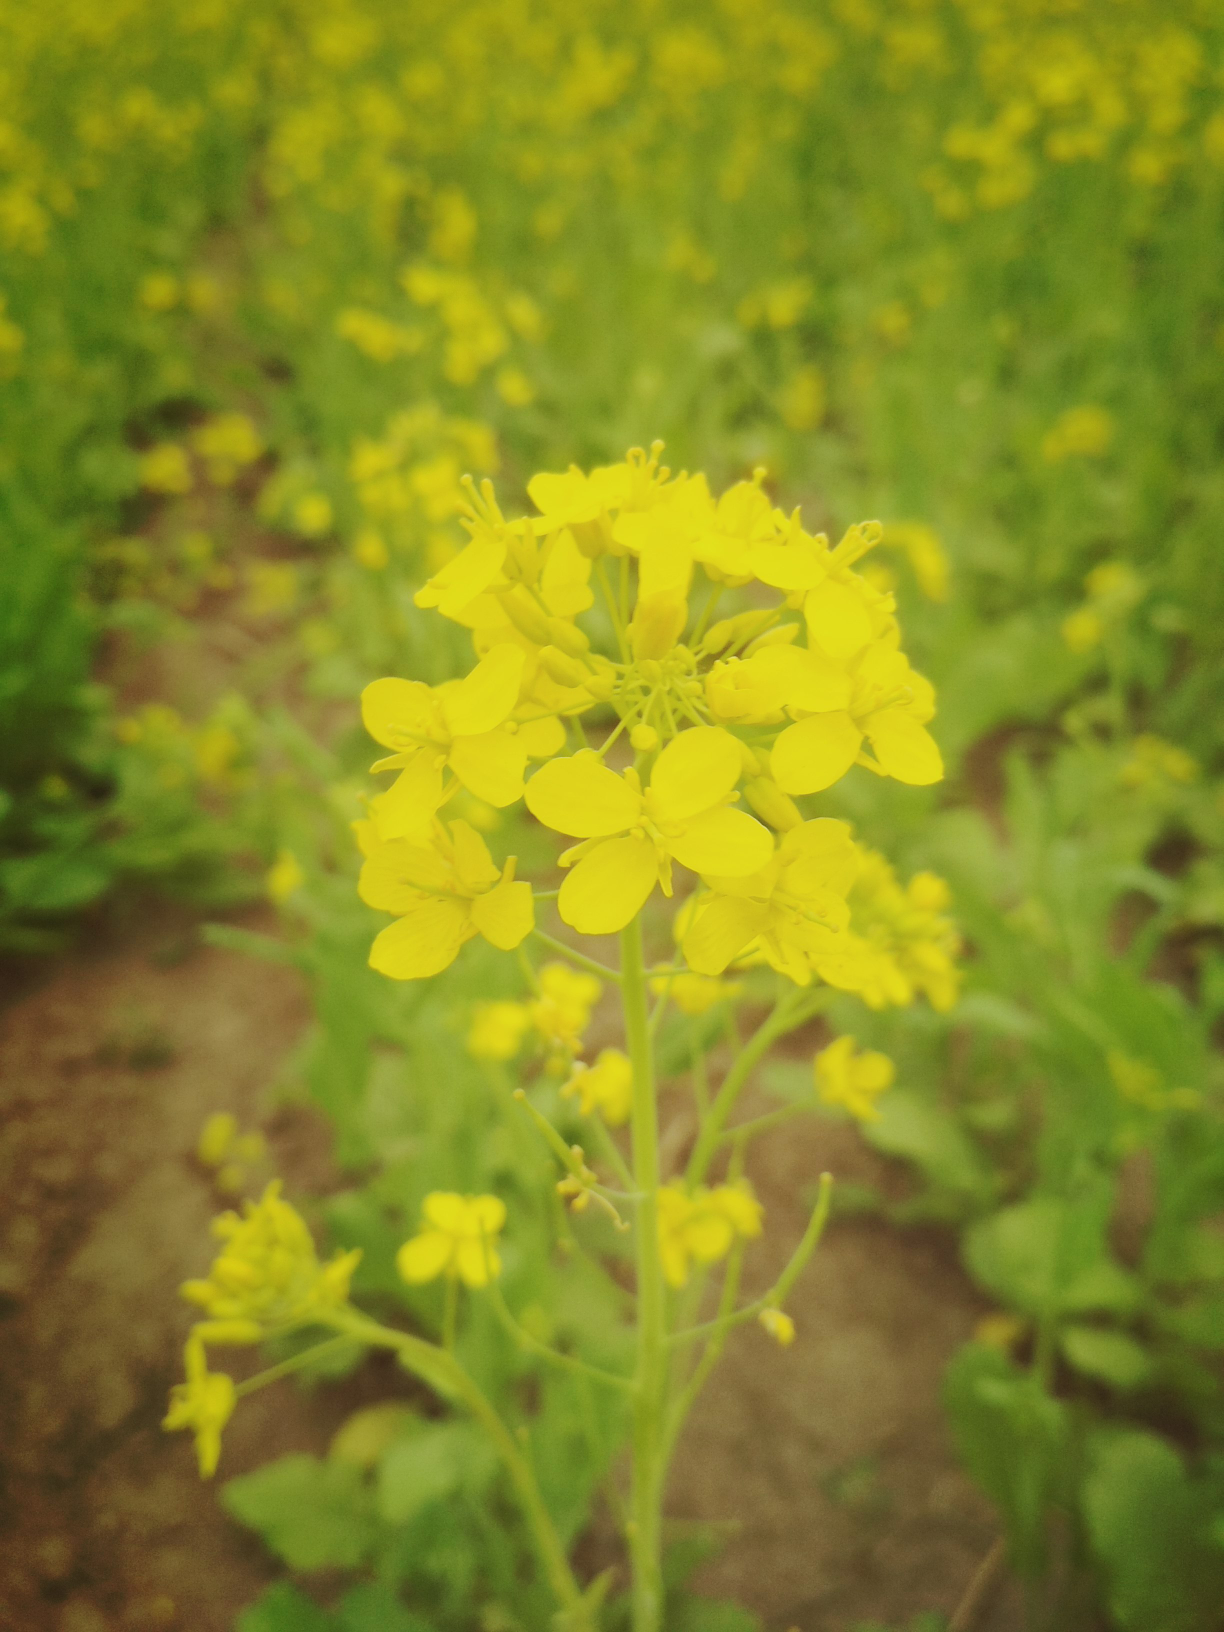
(771, 704)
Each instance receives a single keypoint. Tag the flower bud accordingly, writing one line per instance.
(568, 637)
(771, 804)
(525, 617)
(644, 738)
(564, 670)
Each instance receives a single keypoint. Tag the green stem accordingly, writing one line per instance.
(650, 1378)
(569, 1362)
(591, 965)
(450, 1309)
(776, 1025)
(710, 1356)
(286, 1368)
(744, 1131)
(443, 1373)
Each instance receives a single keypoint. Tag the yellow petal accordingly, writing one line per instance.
(563, 582)
(490, 766)
(838, 621)
(408, 807)
(478, 1262)
(424, 1257)
(697, 769)
(460, 581)
(505, 915)
(473, 863)
(485, 697)
(658, 622)
(905, 749)
(725, 841)
(391, 709)
(582, 797)
(395, 876)
(815, 753)
(542, 738)
(708, 1236)
(814, 682)
(446, 1210)
(423, 942)
(721, 931)
(609, 886)
(487, 1214)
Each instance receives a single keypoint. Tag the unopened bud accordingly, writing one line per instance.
(644, 738)
(568, 637)
(564, 670)
(526, 617)
(771, 804)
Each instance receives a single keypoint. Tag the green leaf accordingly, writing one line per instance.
(1012, 1437)
(1103, 1285)
(710, 1615)
(283, 1608)
(375, 1607)
(1039, 1253)
(1110, 1356)
(911, 1127)
(428, 1465)
(314, 1514)
(1144, 1517)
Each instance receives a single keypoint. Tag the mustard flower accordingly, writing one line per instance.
(561, 1010)
(497, 1030)
(631, 838)
(792, 909)
(204, 1403)
(900, 941)
(267, 1272)
(444, 892)
(457, 1238)
(852, 1080)
(606, 1087)
(702, 1227)
(463, 726)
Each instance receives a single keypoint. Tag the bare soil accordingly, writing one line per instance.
(828, 1462)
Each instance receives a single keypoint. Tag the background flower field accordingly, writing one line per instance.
(273, 278)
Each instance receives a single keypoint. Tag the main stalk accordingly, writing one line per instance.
(650, 1381)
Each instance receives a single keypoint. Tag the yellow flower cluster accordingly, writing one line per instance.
(557, 1014)
(767, 705)
(267, 1278)
(267, 1274)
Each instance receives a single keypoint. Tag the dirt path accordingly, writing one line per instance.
(831, 1454)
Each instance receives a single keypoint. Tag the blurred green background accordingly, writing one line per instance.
(275, 274)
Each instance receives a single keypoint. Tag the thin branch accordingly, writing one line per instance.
(591, 965)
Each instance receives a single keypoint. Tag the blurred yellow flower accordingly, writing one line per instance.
(1085, 432)
(457, 1238)
(284, 878)
(606, 1087)
(779, 1325)
(497, 1030)
(165, 469)
(204, 1403)
(851, 1080)
(702, 1227)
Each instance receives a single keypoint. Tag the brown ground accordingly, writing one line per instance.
(832, 1455)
